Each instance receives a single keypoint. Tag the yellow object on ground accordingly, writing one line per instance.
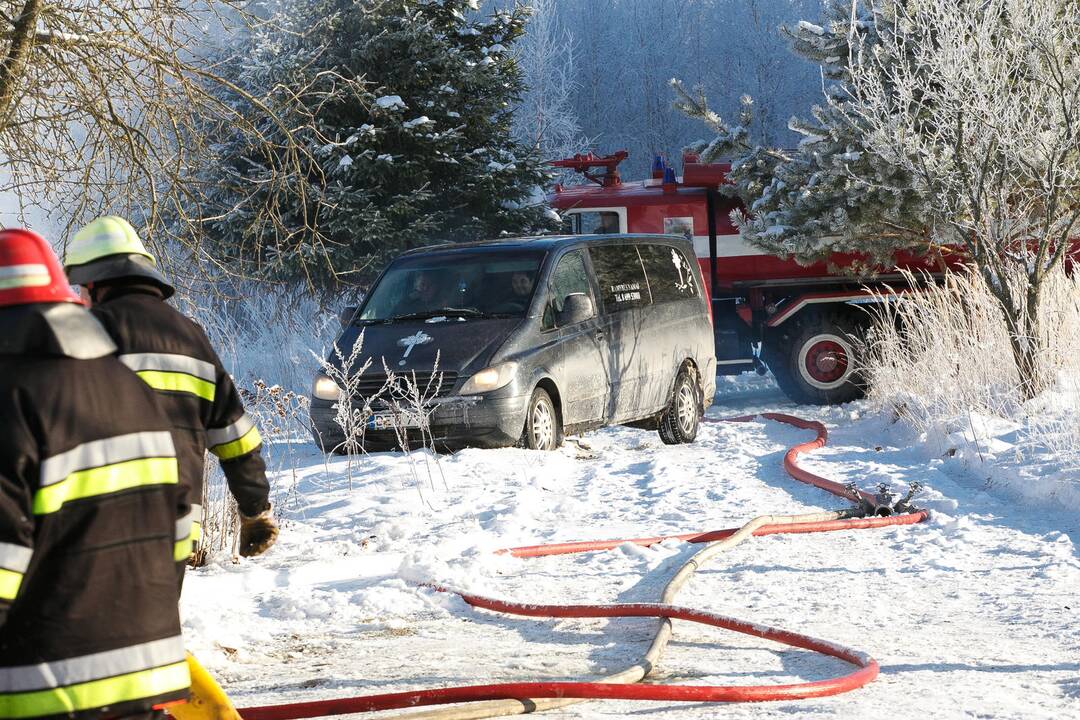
(208, 700)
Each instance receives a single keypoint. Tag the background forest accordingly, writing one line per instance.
(598, 72)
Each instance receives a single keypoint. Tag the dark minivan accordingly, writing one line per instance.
(521, 341)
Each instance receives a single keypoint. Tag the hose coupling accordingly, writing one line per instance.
(905, 504)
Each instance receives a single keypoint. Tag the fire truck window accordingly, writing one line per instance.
(620, 276)
(670, 274)
(569, 277)
(592, 223)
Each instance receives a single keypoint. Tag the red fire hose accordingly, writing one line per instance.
(528, 696)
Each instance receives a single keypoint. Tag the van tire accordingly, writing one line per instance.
(790, 357)
(680, 421)
(543, 428)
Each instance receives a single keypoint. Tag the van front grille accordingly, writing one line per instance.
(427, 384)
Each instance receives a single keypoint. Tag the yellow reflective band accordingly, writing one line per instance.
(144, 684)
(9, 584)
(178, 382)
(182, 549)
(250, 441)
(24, 281)
(104, 480)
(196, 532)
(25, 275)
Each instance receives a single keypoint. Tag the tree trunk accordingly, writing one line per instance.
(22, 41)
(1025, 339)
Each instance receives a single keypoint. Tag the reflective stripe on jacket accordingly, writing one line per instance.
(89, 509)
(172, 354)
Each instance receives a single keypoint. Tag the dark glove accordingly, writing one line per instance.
(257, 533)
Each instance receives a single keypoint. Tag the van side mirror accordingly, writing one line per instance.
(577, 307)
(346, 315)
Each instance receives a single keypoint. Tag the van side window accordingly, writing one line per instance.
(620, 276)
(670, 274)
(570, 277)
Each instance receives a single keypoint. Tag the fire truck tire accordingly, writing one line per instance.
(543, 429)
(680, 421)
(816, 361)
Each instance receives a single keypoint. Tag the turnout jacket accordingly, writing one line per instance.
(172, 355)
(89, 502)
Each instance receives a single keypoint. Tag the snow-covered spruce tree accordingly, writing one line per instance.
(979, 102)
(828, 194)
(412, 101)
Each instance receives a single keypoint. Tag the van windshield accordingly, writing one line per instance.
(454, 285)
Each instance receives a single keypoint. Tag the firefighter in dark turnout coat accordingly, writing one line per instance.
(89, 501)
(172, 354)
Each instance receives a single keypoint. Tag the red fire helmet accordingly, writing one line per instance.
(30, 271)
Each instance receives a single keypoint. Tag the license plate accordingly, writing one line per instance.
(391, 420)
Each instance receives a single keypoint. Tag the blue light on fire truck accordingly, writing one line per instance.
(658, 166)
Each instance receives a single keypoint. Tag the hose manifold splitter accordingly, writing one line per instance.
(884, 503)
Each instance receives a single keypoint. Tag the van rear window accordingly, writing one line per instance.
(620, 276)
(670, 274)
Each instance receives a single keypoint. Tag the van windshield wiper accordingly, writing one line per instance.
(447, 312)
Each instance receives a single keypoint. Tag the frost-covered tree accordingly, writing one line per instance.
(412, 145)
(544, 117)
(946, 124)
(979, 102)
(103, 103)
(828, 193)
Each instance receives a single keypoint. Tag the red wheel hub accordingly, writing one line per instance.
(826, 361)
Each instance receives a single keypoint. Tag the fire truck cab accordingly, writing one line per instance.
(803, 323)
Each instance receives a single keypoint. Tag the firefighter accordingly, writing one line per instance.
(172, 354)
(89, 501)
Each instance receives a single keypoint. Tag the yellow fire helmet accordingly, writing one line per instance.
(110, 249)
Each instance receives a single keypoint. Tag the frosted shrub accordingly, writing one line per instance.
(347, 371)
(264, 333)
(944, 352)
(268, 340)
(410, 399)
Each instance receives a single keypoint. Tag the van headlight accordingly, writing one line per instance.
(489, 379)
(325, 388)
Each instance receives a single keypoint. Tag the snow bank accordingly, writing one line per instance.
(341, 606)
(941, 360)
(1034, 459)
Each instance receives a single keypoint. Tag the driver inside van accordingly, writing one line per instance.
(423, 292)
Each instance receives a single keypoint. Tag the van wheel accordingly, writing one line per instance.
(817, 361)
(543, 431)
(680, 421)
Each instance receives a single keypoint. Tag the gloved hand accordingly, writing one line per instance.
(257, 533)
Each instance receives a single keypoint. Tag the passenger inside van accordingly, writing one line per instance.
(516, 292)
(522, 284)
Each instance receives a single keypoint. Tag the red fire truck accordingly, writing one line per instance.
(801, 322)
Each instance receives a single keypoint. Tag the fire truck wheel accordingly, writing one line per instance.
(816, 362)
(679, 423)
(543, 431)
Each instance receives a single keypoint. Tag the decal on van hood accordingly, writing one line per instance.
(418, 338)
(455, 347)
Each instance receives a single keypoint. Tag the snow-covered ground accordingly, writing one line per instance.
(972, 614)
